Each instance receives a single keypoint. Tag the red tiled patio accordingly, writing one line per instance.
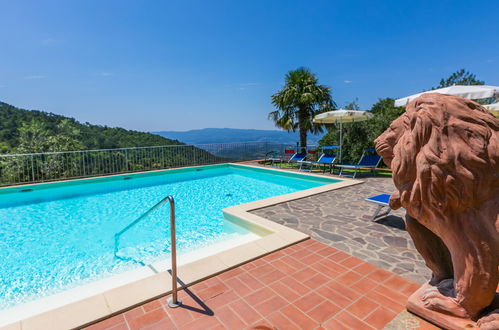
(305, 286)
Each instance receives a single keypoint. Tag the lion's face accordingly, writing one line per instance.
(443, 153)
(387, 141)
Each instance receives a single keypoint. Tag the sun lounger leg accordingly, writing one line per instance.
(378, 214)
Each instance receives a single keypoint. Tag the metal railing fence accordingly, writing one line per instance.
(52, 166)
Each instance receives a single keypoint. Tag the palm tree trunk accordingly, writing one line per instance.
(303, 129)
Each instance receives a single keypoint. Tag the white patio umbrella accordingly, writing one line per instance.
(472, 92)
(342, 116)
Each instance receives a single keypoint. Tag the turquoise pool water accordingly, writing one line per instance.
(57, 236)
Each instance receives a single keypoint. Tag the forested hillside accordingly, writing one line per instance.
(37, 131)
(24, 135)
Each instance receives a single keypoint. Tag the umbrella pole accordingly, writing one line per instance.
(341, 140)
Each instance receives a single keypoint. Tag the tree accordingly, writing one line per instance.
(299, 101)
(68, 137)
(361, 135)
(33, 137)
(460, 77)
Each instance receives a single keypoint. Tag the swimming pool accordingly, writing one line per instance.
(60, 235)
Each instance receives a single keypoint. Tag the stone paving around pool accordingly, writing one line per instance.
(341, 219)
(308, 285)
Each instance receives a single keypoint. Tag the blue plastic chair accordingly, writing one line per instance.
(365, 162)
(381, 201)
(298, 157)
(325, 159)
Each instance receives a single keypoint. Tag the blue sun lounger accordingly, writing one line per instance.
(325, 159)
(381, 201)
(297, 157)
(366, 161)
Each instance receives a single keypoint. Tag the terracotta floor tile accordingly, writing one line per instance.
(229, 318)
(250, 281)
(295, 285)
(343, 290)
(326, 251)
(284, 291)
(301, 254)
(221, 300)
(336, 297)
(212, 281)
(279, 321)
(364, 268)
(230, 274)
(316, 281)
(335, 324)
(164, 324)
(364, 285)
(180, 315)
(107, 323)
(296, 264)
(205, 322)
(246, 312)
(152, 305)
(133, 313)
(272, 277)
(262, 324)
(380, 317)
(261, 270)
(362, 307)
(259, 296)
(349, 278)
(270, 306)
(309, 301)
(212, 291)
(284, 267)
(392, 294)
(304, 274)
(338, 256)
(323, 268)
(333, 266)
(298, 317)
(385, 301)
(147, 319)
(410, 289)
(239, 287)
(312, 258)
(121, 326)
(324, 311)
(351, 262)
(379, 275)
(349, 320)
(397, 283)
(274, 256)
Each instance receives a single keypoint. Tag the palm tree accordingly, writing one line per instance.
(299, 101)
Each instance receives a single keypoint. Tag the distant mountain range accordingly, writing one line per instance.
(234, 135)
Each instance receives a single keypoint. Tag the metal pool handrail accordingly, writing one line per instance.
(173, 301)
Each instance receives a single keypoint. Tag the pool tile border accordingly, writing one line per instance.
(69, 310)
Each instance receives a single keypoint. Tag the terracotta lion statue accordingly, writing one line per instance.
(444, 153)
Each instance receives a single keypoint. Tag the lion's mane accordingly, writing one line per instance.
(444, 153)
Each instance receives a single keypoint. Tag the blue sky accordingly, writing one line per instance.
(178, 65)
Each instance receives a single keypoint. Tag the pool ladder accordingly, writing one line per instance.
(173, 301)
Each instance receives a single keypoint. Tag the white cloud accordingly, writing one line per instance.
(33, 77)
(106, 74)
(347, 81)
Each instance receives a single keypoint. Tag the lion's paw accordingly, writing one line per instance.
(490, 321)
(434, 300)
